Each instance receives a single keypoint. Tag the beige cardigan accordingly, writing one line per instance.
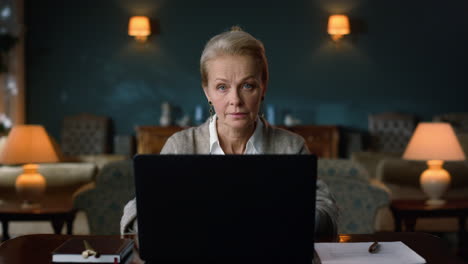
(196, 140)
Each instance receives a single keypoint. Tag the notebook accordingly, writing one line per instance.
(107, 249)
(226, 209)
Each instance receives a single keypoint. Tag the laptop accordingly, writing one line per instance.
(226, 209)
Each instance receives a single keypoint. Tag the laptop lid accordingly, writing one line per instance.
(226, 209)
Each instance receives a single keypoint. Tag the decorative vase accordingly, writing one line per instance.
(165, 119)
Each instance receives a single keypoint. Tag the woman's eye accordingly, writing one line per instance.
(248, 86)
(221, 87)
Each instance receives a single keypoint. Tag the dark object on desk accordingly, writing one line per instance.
(106, 250)
(374, 248)
(226, 209)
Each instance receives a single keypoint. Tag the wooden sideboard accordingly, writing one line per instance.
(322, 141)
(151, 139)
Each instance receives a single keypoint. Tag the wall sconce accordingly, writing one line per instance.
(139, 27)
(338, 26)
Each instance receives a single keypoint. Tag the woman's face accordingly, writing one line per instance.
(235, 89)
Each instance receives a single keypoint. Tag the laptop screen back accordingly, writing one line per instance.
(226, 209)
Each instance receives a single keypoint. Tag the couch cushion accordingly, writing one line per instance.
(56, 174)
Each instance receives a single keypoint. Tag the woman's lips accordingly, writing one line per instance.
(238, 115)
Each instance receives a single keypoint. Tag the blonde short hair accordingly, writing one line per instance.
(234, 42)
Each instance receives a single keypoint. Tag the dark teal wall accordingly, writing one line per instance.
(408, 56)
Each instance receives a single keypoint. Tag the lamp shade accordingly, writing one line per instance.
(338, 25)
(28, 144)
(139, 26)
(434, 141)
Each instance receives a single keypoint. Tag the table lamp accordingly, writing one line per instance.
(29, 144)
(434, 143)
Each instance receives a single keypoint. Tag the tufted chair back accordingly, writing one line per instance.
(85, 134)
(391, 132)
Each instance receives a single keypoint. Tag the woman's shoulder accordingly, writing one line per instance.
(188, 141)
(281, 140)
(191, 132)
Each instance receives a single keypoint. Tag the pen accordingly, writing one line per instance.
(374, 247)
(89, 251)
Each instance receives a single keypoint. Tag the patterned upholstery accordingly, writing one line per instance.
(391, 132)
(104, 204)
(85, 134)
(358, 200)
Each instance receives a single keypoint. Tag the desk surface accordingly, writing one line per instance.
(37, 248)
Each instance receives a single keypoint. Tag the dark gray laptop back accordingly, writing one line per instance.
(226, 209)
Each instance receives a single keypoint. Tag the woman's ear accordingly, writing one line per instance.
(205, 89)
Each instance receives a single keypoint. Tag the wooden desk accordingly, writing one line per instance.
(39, 247)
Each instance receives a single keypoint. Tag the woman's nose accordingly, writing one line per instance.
(234, 97)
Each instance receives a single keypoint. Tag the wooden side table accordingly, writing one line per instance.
(56, 208)
(407, 211)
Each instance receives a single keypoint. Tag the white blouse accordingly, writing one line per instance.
(254, 145)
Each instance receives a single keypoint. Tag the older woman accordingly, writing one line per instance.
(234, 73)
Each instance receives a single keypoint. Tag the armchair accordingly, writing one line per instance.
(104, 204)
(358, 197)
